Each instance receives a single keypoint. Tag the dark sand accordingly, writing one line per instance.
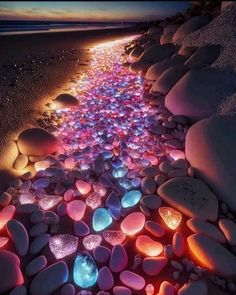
(35, 68)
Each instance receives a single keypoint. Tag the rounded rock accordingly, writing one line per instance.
(101, 254)
(119, 259)
(194, 288)
(21, 162)
(81, 229)
(66, 100)
(132, 280)
(178, 244)
(228, 227)
(68, 289)
(105, 279)
(155, 228)
(152, 266)
(120, 290)
(36, 265)
(151, 202)
(148, 185)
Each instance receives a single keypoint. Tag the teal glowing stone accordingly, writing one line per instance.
(130, 199)
(85, 271)
(119, 172)
(101, 219)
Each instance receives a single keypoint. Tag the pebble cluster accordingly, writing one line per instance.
(90, 221)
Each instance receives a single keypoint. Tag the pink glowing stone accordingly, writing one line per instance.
(114, 237)
(83, 187)
(69, 163)
(49, 202)
(92, 241)
(100, 189)
(3, 241)
(41, 165)
(68, 195)
(152, 159)
(6, 214)
(171, 217)
(149, 289)
(133, 223)
(177, 154)
(148, 246)
(63, 245)
(76, 209)
(93, 200)
(26, 198)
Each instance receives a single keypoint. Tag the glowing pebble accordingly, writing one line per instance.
(41, 165)
(177, 154)
(148, 246)
(130, 199)
(114, 237)
(101, 219)
(92, 241)
(69, 163)
(26, 198)
(171, 217)
(76, 209)
(6, 214)
(119, 172)
(85, 272)
(63, 245)
(83, 187)
(93, 200)
(49, 202)
(3, 241)
(100, 189)
(133, 223)
(132, 280)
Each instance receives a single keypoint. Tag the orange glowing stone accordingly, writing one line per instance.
(133, 223)
(83, 187)
(6, 214)
(69, 163)
(171, 217)
(41, 165)
(3, 241)
(148, 246)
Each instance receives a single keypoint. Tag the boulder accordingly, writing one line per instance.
(168, 79)
(66, 101)
(190, 196)
(168, 33)
(210, 149)
(198, 93)
(37, 142)
(137, 67)
(135, 53)
(191, 25)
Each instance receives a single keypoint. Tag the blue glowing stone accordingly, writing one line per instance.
(101, 219)
(130, 199)
(119, 172)
(126, 183)
(85, 271)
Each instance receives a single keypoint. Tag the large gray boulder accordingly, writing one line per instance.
(188, 27)
(210, 149)
(198, 93)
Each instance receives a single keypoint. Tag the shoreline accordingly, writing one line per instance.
(45, 67)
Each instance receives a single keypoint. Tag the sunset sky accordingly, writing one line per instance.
(90, 11)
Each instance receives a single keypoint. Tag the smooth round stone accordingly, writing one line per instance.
(194, 288)
(21, 162)
(81, 229)
(113, 201)
(160, 178)
(101, 254)
(155, 228)
(37, 142)
(105, 279)
(27, 208)
(83, 187)
(132, 280)
(178, 172)
(178, 244)
(6, 214)
(68, 289)
(19, 236)
(39, 243)
(118, 259)
(5, 199)
(36, 265)
(10, 272)
(158, 130)
(148, 186)
(19, 291)
(180, 164)
(212, 255)
(50, 279)
(190, 196)
(228, 227)
(37, 229)
(51, 218)
(148, 246)
(119, 172)
(101, 219)
(131, 198)
(206, 229)
(133, 223)
(62, 209)
(153, 265)
(173, 143)
(166, 288)
(120, 290)
(76, 209)
(165, 167)
(149, 171)
(37, 216)
(151, 202)
(66, 100)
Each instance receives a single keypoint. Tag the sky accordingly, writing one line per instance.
(90, 10)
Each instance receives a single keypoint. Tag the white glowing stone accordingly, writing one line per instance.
(76, 209)
(171, 217)
(3, 241)
(26, 198)
(83, 187)
(93, 200)
(6, 214)
(63, 245)
(41, 165)
(114, 237)
(69, 163)
(92, 241)
(49, 202)
(100, 189)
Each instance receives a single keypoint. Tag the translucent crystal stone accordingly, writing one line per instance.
(114, 237)
(92, 241)
(101, 219)
(63, 245)
(76, 209)
(171, 217)
(85, 272)
(26, 198)
(119, 172)
(49, 202)
(93, 200)
(130, 199)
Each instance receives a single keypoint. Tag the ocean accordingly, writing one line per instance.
(31, 27)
